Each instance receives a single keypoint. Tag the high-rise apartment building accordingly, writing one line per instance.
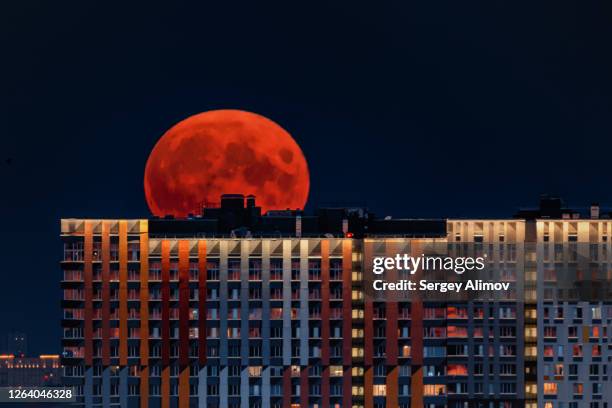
(235, 309)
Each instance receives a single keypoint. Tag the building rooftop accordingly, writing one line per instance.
(240, 217)
(552, 207)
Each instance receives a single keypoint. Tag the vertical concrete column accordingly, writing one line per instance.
(88, 387)
(88, 329)
(123, 313)
(202, 314)
(106, 387)
(304, 329)
(265, 329)
(144, 314)
(244, 323)
(123, 387)
(223, 351)
(287, 389)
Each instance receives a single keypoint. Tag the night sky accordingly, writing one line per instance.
(418, 110)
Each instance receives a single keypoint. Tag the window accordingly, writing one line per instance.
(577, 312)
(507, 313)
(435, 332)
(550, 331)
(457, 370)
(550, 388)
(457, 331)
(457, 350)
(433, 371)
(434, 313)
(255, 371)
(434, 389)
(572, 331)
(380, 390)
(335, 371)
(432, 351)
(507, 369)
(454, 312)
(234, 370)
(578, 388)
(596, 312)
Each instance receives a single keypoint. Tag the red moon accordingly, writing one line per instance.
(225, 152)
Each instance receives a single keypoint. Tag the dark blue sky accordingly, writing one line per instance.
(418, 109)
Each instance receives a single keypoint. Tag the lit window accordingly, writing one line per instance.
(457, 369)
(550, 388)
(453, 312)
(335, 371)
(456, 331)
(380, 390)
(434, 389)
(255, 371)
(356, 390)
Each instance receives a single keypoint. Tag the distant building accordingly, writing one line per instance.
(44, 370)
(17, 344)
(237, 309)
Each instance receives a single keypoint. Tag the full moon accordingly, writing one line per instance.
(225, 152)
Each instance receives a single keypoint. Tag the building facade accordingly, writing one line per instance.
(574, 313)
(199, 313)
